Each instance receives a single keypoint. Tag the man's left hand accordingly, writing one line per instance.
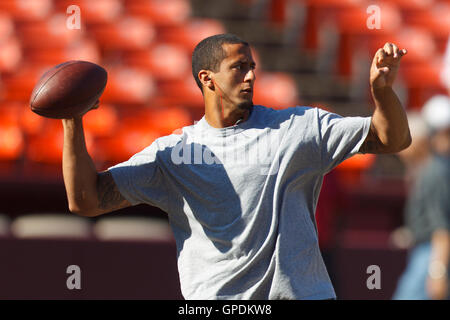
(385, 66)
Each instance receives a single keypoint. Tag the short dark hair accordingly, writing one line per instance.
(209, 53)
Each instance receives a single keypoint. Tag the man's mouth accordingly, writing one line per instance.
(247, 90)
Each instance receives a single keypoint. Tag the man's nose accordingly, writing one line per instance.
(250, 76)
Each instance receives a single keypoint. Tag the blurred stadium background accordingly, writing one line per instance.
(308, 52)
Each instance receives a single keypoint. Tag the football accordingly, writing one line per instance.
(68, 89)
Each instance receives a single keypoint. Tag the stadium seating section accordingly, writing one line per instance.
(146, 46)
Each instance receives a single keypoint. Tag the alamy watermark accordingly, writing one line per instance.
(374, 281)
(374, 20)
(74, 20)
(74, 280)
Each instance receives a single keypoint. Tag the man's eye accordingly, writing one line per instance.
(239, 67)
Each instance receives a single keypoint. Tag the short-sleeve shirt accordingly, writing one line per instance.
(241, 200)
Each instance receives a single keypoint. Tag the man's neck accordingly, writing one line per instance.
(227, 118)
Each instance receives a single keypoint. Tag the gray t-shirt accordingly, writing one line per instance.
(241, 200)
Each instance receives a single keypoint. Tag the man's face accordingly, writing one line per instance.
(236, 76)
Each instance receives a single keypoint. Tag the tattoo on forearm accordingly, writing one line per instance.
(109, 196)
(372, 144)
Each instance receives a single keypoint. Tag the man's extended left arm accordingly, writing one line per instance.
(389, 131)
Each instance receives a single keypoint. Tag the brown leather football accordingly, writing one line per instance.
(68, 89)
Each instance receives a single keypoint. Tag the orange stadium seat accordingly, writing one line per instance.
(128, 86)
(355, 35)
(92, 12)
(414, 40)
(429, 14)
(11, 136)
(84, 49)
(30, 122)
(411, 6)
(126, 33)
(47, 146)
(11, 142)
(422, 82)
(19, 85)
(183, 92)
(127, 140)
(101, 121)
(10, 54)
(19, 113)
(49, 33)
(436, 20)
(319, 12)
(27, 10)
(275, 90)
(164, 61)
(160, 12)
(6, 26)
(278, 11)
(350, 171)
(416, 65)
(191, 33)
(167, 120)
(11, 112)
(137, 129)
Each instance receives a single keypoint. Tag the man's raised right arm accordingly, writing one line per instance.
(88, 193)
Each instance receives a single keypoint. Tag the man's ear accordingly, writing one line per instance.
(205, 79)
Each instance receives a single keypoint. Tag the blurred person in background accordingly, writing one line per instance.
(427, 212)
